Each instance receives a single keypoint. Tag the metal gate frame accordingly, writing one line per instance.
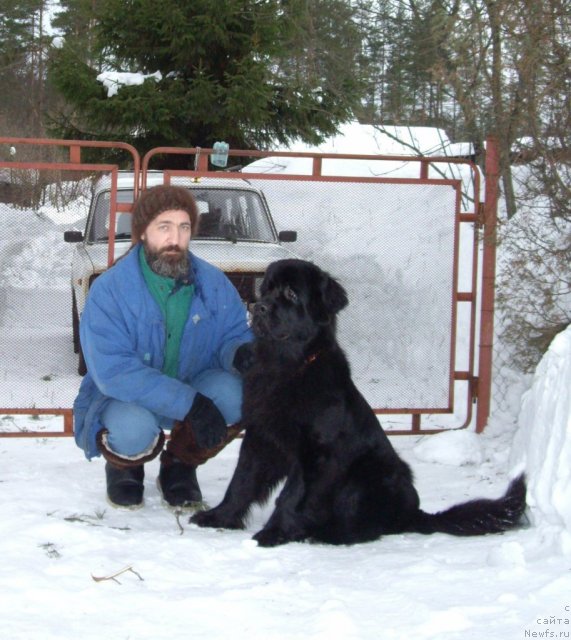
(74, 148)
(483, 216)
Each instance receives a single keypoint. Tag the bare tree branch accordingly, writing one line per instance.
(113, 576)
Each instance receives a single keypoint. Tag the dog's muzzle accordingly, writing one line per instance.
(260, 319)
(262, 324)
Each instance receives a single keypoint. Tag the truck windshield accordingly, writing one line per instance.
(227, 214)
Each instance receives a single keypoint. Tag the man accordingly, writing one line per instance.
(165, 338)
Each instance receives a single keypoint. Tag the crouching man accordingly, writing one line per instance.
(165, 338)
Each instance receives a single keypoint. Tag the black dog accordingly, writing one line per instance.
(306, 421)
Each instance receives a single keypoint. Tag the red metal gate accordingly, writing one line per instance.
(436, 200)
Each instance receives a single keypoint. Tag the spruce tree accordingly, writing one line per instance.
(229, 70)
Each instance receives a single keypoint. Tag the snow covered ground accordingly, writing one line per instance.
(59, 535)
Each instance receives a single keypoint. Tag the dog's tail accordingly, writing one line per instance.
(478, 517)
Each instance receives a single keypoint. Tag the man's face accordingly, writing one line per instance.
(166, 241)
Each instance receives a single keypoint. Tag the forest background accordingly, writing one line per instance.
(265, 73)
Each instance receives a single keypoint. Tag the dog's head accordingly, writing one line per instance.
(298, 303)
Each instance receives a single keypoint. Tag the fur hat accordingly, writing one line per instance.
(158, 199)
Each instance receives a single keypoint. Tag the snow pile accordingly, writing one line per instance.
(38, 259)
(542, 445)
(355, 138)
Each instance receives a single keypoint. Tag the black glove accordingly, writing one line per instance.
(207, 423)
(244, 357)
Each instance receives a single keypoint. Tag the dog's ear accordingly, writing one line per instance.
(333, 295)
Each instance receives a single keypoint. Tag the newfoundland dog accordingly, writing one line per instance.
(306, 422)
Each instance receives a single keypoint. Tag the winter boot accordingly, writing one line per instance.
(125, 485)
(125, 474)
(178, 483)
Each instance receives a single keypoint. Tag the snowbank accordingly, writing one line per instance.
(542, 444)
(355, 138)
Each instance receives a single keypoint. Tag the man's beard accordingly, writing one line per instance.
(170, 262)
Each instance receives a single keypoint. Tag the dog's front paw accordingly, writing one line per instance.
(216, 519)
(271, 538)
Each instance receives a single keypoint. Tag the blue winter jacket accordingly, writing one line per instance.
(122, 334)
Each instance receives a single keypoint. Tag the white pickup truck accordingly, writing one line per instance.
(236, 233)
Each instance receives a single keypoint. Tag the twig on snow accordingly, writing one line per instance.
(113, 576)
(177, 514)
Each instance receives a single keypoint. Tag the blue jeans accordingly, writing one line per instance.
(133, 429)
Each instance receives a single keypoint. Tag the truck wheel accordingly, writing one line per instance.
(74, 323)
(81, 367)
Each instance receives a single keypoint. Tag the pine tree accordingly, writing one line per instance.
(233, 70)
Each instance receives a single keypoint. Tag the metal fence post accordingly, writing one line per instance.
(492, 174)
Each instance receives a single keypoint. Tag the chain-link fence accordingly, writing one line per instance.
(403, 247)
(36, 355)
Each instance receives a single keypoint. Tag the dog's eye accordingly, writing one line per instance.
(290, 294)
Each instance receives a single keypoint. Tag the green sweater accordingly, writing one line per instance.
(174, 301)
